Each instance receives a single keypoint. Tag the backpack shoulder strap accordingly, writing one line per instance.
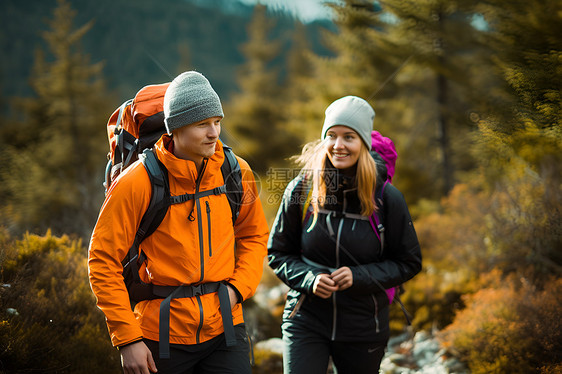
(232, 175)
(152, 218)
(377, 218)
(159, 201)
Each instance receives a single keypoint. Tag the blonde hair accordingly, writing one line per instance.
(313, 161)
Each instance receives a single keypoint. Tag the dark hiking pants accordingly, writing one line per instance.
(307, 351)
(209, 357)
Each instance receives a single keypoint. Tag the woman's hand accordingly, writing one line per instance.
(324, 286)
(343, 277)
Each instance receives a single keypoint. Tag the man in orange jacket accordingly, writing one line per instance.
(196, 244)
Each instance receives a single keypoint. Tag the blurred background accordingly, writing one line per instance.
(469, 91)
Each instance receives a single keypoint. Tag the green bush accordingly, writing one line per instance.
(48, 318)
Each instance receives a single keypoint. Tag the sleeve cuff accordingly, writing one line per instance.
(129, 343)
(238, 294)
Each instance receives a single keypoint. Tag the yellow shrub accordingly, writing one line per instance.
(267, 362)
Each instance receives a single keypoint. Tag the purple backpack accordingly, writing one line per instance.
(384, 151)
(384, 147)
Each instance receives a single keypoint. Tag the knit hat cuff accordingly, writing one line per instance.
(194, 114)
(364, 133)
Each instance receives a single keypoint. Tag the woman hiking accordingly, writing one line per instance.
(323, 245)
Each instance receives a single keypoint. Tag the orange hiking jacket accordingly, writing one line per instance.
(182, 251)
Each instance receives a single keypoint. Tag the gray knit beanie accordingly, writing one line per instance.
(353, 112)
(189, 99)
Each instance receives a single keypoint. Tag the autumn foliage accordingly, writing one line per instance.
(474, 109)
(509, 326)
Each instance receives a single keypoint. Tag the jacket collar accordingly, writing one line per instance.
(185, 171)
(342, 187)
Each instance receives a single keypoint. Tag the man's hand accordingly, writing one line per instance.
(324, 286)
(343, 278)
(136, 358)
(233, 297)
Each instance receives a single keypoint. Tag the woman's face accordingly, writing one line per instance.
(343, 146)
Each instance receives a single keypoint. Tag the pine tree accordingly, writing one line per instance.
(51, 175)
(520, 153)
(525, 112)
(441, 40)
(299, 70)
(359, 65)
(255, 115)
(527, 49)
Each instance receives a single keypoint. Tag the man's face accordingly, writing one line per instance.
(197, 141)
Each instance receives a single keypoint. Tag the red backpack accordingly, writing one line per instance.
(136, 125)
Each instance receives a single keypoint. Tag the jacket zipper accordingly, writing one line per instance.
(334, 305)
(201, 248)
(199, 225)
(334, 316)
(377, 329)
(209, 227)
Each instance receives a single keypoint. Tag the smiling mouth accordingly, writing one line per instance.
(340, 155)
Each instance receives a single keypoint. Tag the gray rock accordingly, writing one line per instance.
(274, 345)
(12, 311)
(420, 354)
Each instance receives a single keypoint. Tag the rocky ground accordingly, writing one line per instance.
(420, 354)
(406, 354)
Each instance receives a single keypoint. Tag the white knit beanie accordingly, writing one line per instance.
(353, 112)
(189, 99)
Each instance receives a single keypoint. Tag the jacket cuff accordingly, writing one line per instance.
(238, 294)
(308, 281)
(129, 343)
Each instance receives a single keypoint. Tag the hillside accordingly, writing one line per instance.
(140, 42)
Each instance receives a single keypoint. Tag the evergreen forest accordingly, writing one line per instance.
(470, 91)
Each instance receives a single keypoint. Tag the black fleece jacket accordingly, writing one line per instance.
(359, 313)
